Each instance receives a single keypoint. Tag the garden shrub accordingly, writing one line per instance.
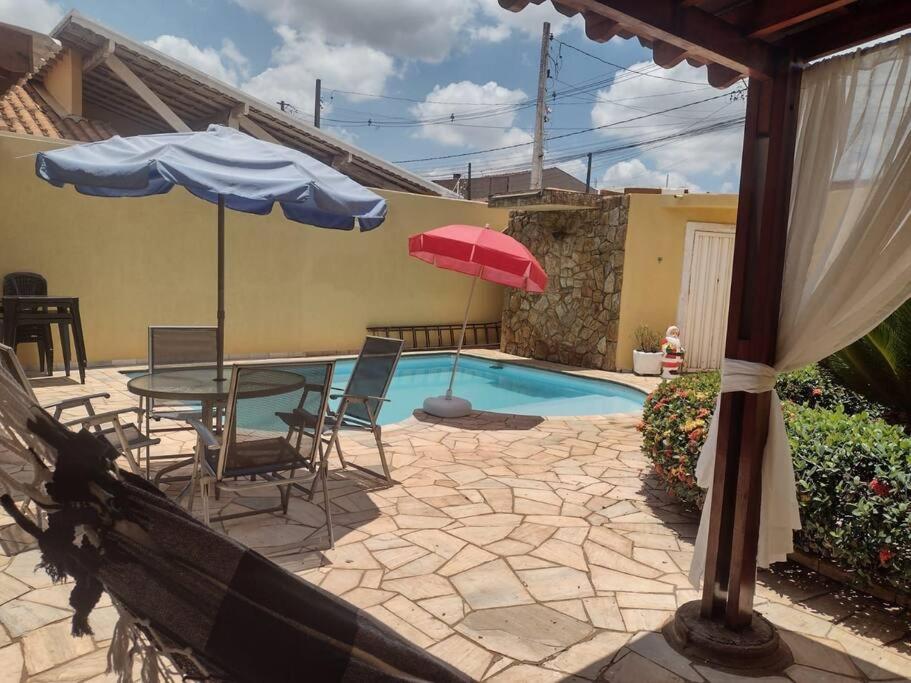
(854, 488)
(817, 387)
(854, 471)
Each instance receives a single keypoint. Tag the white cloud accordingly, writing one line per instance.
(226, 64)
(634, 173)
(405, 28)
(342, 134)
(303, 57)
(409, 29)
(37, 15)
(490, 131)
(528, 22)
(575, 167)
(713, 153)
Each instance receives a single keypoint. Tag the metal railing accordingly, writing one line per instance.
(442, 336)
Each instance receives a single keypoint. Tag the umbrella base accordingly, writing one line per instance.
(753, 651)
(441, 406)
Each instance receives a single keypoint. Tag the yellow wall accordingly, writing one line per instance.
(290, 288)
(64, 81)
(653, 265)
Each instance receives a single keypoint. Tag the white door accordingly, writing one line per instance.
(705, 292)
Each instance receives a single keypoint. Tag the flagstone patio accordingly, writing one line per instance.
(516, 548)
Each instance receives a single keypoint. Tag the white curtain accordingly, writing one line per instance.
(848, 260)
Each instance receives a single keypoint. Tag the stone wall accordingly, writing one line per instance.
(576, 320)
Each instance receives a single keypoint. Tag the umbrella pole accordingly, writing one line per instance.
(455, 363)
(220, 334)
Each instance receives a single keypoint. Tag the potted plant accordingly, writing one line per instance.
(647, 354)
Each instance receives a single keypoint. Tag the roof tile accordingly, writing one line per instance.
(23, 110)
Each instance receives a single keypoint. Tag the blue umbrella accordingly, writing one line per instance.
(222, 166)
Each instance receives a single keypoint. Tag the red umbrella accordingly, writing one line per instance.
(483, 253)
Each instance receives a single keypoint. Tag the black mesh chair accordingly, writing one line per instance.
(256, 448)
(32, 284)
(360, 405)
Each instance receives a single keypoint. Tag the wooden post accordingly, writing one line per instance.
(722, 629)
(759, 252)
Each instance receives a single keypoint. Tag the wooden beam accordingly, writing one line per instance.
(721, 76)
(99, 56)
(667, 55)
(234, 114)
(250, 126)
(698, 33)
(340, 161)
(145, 93)
(598, 28)
(862, 24)
(759, 253)
(774, 16)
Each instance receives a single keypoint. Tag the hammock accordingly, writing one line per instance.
(187, 595)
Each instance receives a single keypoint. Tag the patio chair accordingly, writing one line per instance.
(30, 284)
(173, 347)
(126, 437)
(360, 404)
(193, 603)
(254, 449)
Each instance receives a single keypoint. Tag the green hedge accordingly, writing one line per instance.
(853, 470)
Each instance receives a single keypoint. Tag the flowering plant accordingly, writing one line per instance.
(853, 471)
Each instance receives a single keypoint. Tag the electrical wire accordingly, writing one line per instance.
(564, 135)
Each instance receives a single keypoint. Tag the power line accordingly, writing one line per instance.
(624, 68)
(566, 135)
(635, 146)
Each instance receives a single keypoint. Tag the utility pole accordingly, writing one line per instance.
(316, 103)
(537, 155)
(283, 104)
(588, 174)
(468, 194)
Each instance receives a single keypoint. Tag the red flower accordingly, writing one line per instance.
(884, 556)
(702, 412)
(816, 392)
(682, 393)
(659, 469)
(696, 434)
(640, 427)
(880, 488)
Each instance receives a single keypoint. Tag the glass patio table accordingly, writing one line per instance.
(199, 384)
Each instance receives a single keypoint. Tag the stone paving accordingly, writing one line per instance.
(520, 549)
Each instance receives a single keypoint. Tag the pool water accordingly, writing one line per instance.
(497, 387)
(489, 385)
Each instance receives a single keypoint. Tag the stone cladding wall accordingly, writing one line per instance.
(576, 320)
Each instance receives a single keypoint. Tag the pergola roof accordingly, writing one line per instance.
(735, 38)
(118, 74)
(22, 52)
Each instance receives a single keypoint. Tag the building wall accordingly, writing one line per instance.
(653, 265)
(290, 288)
(576, 320)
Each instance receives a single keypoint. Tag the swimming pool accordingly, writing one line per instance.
(495, 387)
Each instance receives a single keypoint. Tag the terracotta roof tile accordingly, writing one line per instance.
(23, 110)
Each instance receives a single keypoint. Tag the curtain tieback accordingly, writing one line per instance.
(779, 511)
(742, 375)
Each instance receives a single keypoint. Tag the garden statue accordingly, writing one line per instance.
(672, 348)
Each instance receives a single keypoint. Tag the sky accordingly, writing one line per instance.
(432, 85)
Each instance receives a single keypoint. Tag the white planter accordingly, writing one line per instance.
(647, 363)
